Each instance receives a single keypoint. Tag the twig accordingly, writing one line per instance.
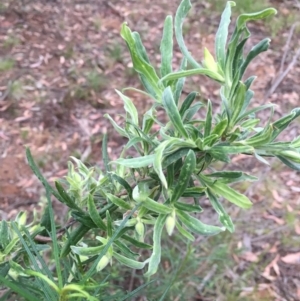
(262, 237)
(131, 280)
(282, 74)
(60, 232)
(209, 275)
(286, 47)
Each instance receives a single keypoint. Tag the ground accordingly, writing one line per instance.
(60, 62)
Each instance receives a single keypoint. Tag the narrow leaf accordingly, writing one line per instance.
(223, 216)
(180, 82)
(157, 163)
(181, 13)
(187, 207)
(166, 47)
(136, 162)
(116, 127)
(187, 102)
(196, 226)
(133, 264)
(155, 258)
(139, 62)
(244, 18)
(93, 212)
(156, 207)
(221, 35)
(199, 71)
(118, 201)
(184, 232)
(208, 120)
(186, 172)
(230, 194)
(172, 111)
(129, 107)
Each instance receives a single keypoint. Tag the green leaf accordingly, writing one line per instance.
(194, 225)
(139, 91)
(116, 127)
(231, 176)
(154, 260)
(109, 224)
(156, 207)
(129, 107)
(123, 182)
(222, 34)
(244, 18)
(140, 47)
(105, 156)
(184, 233)
(223, 216)
(84, 219)
(220, 128)
(187, 207)
(282, 123)
(157, 164)
(228, 193)
(186, 172)
(70, 202)
(170, 175)
(181, 13)
(18, 288)
(139, 63)
(187, 102)
(254, 110)
(208, 120)
(148, 121)
(125, 250)
(4, 235)
(94, 214)
(172, 111)
(73, 239)
(189, 113)
(231, 149)
(255, 51)
(137, 243)
(194, 192)
(118, 201)
(129, 262)
(180, 82)
(135, 162)
(91, 271)
(238, 102)
(199, 71)
(261, 159)
(170, 159)
(87, 251)
(250, 123)
(166, 47)
(289, 163)
(261, 138)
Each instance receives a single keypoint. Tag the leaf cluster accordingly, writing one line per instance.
(164, 185)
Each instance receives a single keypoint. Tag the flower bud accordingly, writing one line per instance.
(140, 229)
(170, 223)
(103, 263)
(210, 61)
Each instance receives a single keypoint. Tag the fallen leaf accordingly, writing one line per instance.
(292, 258)
(267, 272)
(276, 219)
(249, 256)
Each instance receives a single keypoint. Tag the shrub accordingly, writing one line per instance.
(163, 186)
